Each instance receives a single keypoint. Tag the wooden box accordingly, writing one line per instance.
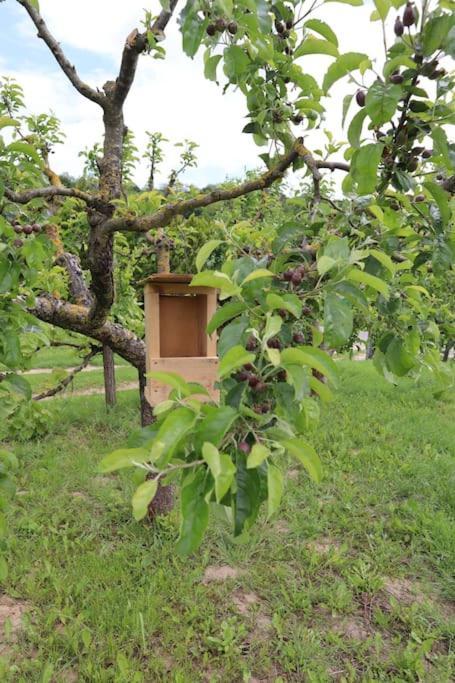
(176, 317)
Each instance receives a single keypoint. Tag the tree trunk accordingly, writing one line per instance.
(109, 376)
(369, 350)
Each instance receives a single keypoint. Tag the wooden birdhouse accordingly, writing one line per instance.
(176, 317)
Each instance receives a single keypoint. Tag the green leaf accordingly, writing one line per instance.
(236, 61)
(194, 511)
(225, 313)
(321, 389)
(382, 7)
(3, 569)
(364, 167)
(313, 358)
(210, 65)
(273, 325)
(323, 29)
(355, 128)
(233, 359)
(124, 457)
(171, 432)
(215, 424)
(305, 453)
(205, 251)
(7, 121)
(384, 259)
(256, 274)
(258, 454)
(399, 60)
(172, 379)
(20, 385)
(398, 359)
(338, 320)
(342, 67)
(441, 145)
(290, 302)
(435, 33)
(356, 275)
(142, 498)
(442, 200)
(381, 102)
(275, 488)
(315, 46)
(247, 497)
(25, 148)
(216, 279)
(221, 467)
(193, 30)
(352, 294)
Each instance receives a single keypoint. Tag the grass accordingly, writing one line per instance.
(64, 357)
(353, 582)
(92, 379)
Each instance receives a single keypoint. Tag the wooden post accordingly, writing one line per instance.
(109, 376)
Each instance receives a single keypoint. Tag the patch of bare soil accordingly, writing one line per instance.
(11, 614)
(403, 591)
(244, 601)
(324, 546)
(281, 527)
(220, 573)
(352, 627)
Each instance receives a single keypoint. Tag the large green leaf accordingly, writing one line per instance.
(313, 358)
(236, 62)
(305, 453)
(124, 457)
(221, 281)
(234, 359)
(257, 274)
(258, 454)
(364, 167)
(172, 379)
(205, 251)
(193, 30)
(275, 488)
(176, 425)
(399, 360)
(442, 200)
(376, 283)
(342, 67)
(288, 302)
(355, 128)
(194, 511)
(7, 121)
(247, 497)
(316, 46)
(225, 313)
(381, 102)
(221, 467)
(214, 425)
(435, 33)
(24, 148)
(323, 29)
(142, 498)
(338, 320)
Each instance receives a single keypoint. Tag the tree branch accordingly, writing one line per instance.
(51, 192)
(166, 213)
(67, 380)
(68, 68)
(76, 319)
(135, 44)
(333, 165)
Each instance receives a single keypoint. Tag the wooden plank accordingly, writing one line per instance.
(178, 289)
(211, 341)
(152, 324)
(201, 370)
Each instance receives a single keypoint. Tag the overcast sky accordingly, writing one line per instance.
(171, 96)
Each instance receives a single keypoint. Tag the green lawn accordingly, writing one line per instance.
(64, 357)
(92, 379)
(353, 582)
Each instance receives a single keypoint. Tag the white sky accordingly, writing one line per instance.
(171, 96)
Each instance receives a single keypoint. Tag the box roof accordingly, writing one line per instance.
(168, 278)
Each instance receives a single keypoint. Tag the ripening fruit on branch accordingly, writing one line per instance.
(298, 338)
(274, 343)
(279, 27)
(360, 98)
(18, 243)
(27, 229)
(251, 344)
(398, 27)
(409, 15)
(245, 447)
(36, 227)
(232, 28)
(396, 79)
(18, 229)
(211, 30)
(427, 153)
(297, 118)
(419, 198)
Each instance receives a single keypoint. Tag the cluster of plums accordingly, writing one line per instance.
(27, 229)
(295, 275)
(220, 25)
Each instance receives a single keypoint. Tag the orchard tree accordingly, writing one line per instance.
(376, 249)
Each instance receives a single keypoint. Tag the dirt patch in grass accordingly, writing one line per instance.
(244, 601)
(403, 591)
(11, 614)
(220, 573)
(324, 546)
